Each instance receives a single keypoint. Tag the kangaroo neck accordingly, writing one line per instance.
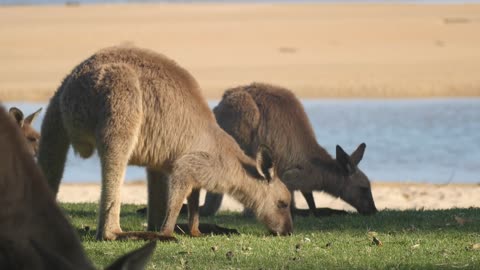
(329, 178)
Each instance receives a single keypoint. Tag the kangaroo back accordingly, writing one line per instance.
(238, 115)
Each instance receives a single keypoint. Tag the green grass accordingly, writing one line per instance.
(411, 240)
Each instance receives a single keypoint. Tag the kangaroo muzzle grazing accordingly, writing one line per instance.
(138, 107)
(25, 124)
(34, 233)
(265, 114)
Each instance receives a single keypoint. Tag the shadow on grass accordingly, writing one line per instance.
(386, 221)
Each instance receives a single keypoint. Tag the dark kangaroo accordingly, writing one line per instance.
(34, 233)
(139, 107)
(266, 114)
(25, 124)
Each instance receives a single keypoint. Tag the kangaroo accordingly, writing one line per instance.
(34, 234)
(26, 127)
(266, 114)
(138, 107)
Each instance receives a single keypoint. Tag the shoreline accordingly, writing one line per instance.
(318, 50)
(395, 195)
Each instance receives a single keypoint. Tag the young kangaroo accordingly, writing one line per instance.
(34, 234)
(139, 107)
(265, 114)
(25, 124)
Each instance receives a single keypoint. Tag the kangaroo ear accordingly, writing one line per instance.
(135, 260)
(17, 114)
(357, 155)
(344, 161)
(265, 162)
(29, 119)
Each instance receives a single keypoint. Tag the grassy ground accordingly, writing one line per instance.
(409, 240)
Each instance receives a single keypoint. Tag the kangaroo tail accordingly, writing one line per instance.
(54, 143)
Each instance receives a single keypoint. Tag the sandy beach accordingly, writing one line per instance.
(317, 50)
(387, 196)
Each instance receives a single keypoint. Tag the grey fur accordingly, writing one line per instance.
(34, 233)
(265, 114)
(138, 107)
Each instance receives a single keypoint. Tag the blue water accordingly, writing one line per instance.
(61, 2)
(430, 140)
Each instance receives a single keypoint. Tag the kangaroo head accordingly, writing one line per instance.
(25, 124)
(356, 190)
(274, 209)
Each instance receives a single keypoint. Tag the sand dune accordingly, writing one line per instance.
(318, 50)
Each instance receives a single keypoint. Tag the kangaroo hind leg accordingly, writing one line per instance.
(116, 134)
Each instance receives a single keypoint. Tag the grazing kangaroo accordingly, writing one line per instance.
(25, 124)
(139, 107)
(34, 234)
(265, 114)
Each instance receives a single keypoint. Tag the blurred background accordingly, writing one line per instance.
(401, 76)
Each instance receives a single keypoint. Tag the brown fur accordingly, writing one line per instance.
(25, 124)
(138, 107)
(265, 114)
(34, 234)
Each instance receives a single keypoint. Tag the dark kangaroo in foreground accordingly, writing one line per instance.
(139, 107)
(34, 233)
(266, 114)
(25, 124)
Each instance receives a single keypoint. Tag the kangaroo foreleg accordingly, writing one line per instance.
(178, 190)
(193, 212)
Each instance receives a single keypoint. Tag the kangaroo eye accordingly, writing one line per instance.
(282, 204)
(32, 139)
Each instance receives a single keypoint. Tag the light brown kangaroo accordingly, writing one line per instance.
(34, 234)
(139, 107)
(266, 114)
(25, 124)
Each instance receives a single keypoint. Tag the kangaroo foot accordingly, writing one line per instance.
(150, 236)
(206, 229)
